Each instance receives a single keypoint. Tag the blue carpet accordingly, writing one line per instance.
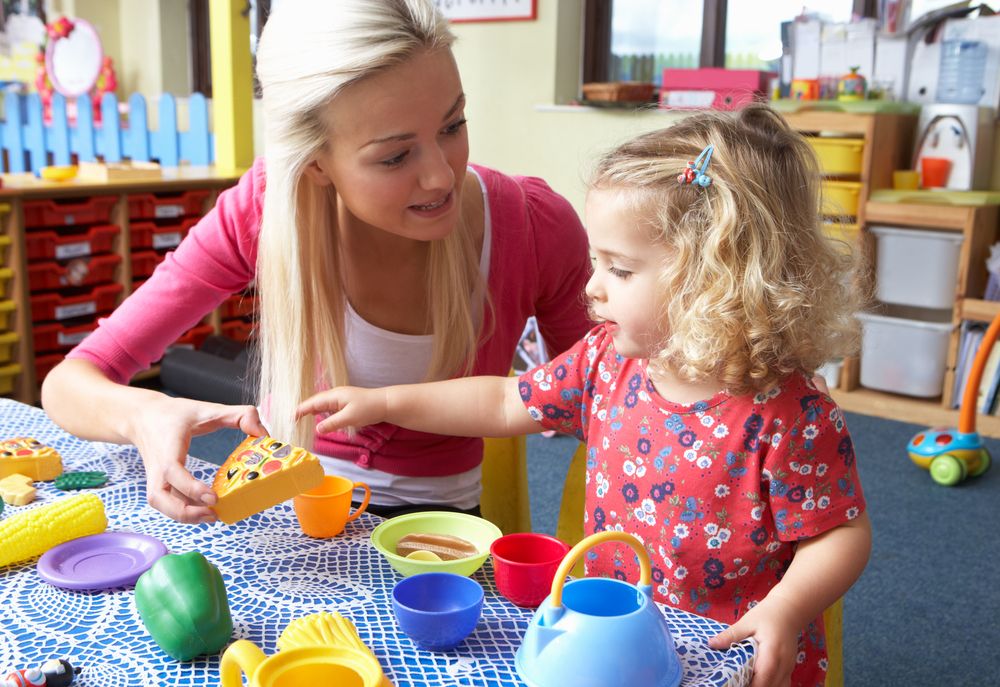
(925, 611)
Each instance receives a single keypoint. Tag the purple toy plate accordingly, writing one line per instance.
(100, 561)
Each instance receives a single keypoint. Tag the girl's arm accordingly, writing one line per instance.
(84, 402)
(471, 406)
(822, 571)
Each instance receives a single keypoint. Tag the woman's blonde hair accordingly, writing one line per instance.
(309, 51)
(753, 289)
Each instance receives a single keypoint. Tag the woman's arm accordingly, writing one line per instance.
(471, 407)
(84, 402)
(822, 571)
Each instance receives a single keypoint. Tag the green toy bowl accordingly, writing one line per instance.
(481, 533)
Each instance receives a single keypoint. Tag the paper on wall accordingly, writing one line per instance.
(805, 49)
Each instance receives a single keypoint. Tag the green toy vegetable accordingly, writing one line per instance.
(182, 602)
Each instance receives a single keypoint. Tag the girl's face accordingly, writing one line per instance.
(398, 148)
(623, 289)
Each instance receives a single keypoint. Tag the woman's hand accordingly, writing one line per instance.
(162, 429)
(349, 407)
(772, 623)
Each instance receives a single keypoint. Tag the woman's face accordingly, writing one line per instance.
(398, 148)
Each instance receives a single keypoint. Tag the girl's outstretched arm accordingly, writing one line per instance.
(471, 406)
(823, 569)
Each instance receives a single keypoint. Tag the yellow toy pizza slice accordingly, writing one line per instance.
(29, 457)
(260, 473)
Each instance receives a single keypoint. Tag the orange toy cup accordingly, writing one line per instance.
(934, 171)
(324, 511)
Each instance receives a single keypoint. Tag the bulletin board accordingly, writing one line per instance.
(488, 10)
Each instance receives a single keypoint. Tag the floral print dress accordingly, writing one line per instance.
(718, 491)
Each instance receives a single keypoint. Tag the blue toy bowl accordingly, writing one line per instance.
(599, 632)
(437, 610)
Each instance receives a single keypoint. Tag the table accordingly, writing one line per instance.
(273, 574)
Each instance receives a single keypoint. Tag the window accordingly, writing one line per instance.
(201, 54)
(633, 40)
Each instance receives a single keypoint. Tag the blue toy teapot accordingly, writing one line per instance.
(599, 632)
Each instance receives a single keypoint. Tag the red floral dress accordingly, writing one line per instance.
(718, 491)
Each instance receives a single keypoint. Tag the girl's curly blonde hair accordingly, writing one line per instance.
(753, 288)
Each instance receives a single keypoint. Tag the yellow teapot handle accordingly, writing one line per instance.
(241, 656)
(645, 571)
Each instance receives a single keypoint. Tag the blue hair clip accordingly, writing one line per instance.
(696, 173)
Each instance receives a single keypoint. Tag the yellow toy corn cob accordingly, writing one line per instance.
(30, 534)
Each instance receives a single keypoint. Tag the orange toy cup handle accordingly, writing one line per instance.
(364, 503)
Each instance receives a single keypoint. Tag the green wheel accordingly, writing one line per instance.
(984, 463)
(947, 470)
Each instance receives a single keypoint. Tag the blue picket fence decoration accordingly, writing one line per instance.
(29, 143)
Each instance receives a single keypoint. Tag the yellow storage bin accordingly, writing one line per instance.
(8, 374)
(7, 342)
(841, 198)
(4, 245)
(838, 156)
(6, 274)
(849, 235)
(7, 309)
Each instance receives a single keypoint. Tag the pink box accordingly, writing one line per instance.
(712, 88)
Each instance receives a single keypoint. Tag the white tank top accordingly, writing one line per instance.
(377, 357)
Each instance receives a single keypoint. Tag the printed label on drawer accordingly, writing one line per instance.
(169, 240)
(165, 211)
(72, 339)
(690, 98)
(73, 250)
(70, 219)
(65, 312)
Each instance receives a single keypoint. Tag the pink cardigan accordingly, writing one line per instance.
(538, 266)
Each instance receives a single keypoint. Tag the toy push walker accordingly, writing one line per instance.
(949, 454)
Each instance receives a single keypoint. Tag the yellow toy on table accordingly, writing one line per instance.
(30, 534)
(29, 457)
(318, 649)
(16, 490)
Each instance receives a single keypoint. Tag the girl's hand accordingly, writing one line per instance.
(772, 624)
(349, 407)
(162, 432)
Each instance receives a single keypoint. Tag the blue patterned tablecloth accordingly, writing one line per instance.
(273, 574)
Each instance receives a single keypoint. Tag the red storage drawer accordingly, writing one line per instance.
(143, 264)
(56, 306)
(45, 276)
(194, 337)
(238, 330)
(56, 245)
(238, 305)
(60, 337)
(45, 363)
(61, 212)
(160, 235)
(166, 205)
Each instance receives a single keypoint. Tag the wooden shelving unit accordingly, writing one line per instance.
(978, 226)
(887, 147)
(20, 188)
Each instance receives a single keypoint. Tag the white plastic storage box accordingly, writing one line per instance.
(902, 354)
(917, 267)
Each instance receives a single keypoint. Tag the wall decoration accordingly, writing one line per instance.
(488, 10)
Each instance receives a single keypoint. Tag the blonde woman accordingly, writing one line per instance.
(717, 294)
(379, 256)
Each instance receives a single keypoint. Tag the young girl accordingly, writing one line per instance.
(717, 294)
(379, 255)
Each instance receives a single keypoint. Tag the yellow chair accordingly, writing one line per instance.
(570, 530)
(505, 501)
